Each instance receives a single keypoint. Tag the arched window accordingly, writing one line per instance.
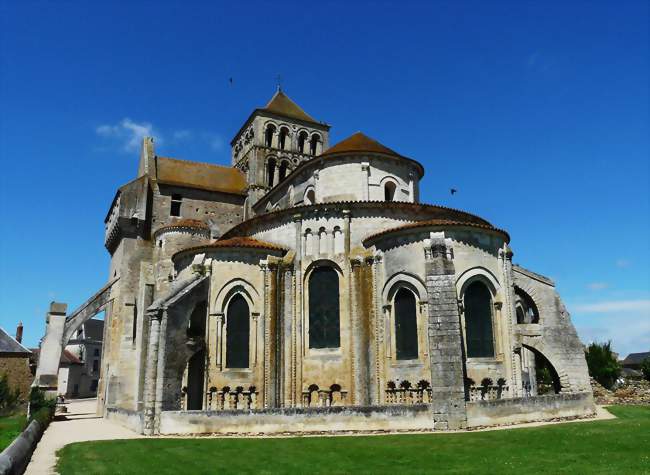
(324, 331)
(478, 320)
(339, 244)
(313, 144)
(525, 307)
(237, 333)
(284, 134)
(322, 241)
(389, 191)
(302, 140)
(406, 326)
(268, 135)
(310, 197)
(309, 242)
(270, 172)
(283, 170)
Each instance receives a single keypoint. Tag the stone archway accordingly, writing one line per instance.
(59, 329)
(561, 378)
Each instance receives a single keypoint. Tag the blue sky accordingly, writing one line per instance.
(537, 112)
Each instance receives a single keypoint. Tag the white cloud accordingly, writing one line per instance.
(215, 141)
(129, 133)
(183, 134)
(598, 285)
(614, 306)
(623, 263)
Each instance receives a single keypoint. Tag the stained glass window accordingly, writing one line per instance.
(478, 321)
(406, 327)
(324, 326)
(237, 333)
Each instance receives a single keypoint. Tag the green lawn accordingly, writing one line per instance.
(614, 446)
(10, 427)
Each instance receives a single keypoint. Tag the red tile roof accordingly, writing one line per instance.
(436, 223)
(417, 210)
(233, 242)
(359, 142)
(184, 223)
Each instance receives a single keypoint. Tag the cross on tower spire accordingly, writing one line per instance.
(279, 79)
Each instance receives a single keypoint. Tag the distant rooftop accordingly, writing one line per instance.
(8, 344)
(635, 359)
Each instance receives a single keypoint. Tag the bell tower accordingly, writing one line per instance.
(275, 140)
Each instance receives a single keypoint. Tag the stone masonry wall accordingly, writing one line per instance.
(445, 339)
(16, 367)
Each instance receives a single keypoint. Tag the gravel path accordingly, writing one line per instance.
(80, 424)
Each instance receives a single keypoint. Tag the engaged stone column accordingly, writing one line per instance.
(151, 373)
(445, 339)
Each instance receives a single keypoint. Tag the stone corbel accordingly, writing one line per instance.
(355, 262)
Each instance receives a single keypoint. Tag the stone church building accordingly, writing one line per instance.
(306, 287)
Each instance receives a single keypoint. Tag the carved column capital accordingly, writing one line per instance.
(355, 262)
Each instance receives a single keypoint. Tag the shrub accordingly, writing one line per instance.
(602, 363)
(9, 398)
(645, 368)
(41, 408)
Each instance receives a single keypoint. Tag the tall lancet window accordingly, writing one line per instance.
(406, 325)
(478, 321)
(237, 333)
(324, 319)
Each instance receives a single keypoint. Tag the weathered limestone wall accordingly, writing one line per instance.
(445, 338)
(371, 418)
(133, 420)
(351, 178)
(538, 408)
(221, 210)
(554, 336)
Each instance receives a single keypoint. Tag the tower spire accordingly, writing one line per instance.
(279, 80)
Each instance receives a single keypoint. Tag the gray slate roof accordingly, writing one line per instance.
(636, 358)
(9, 345)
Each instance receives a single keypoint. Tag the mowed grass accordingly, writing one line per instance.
(611, 447)
(10, 427)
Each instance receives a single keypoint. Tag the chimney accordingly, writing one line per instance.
(19, 332)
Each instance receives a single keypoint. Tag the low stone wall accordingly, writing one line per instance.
(14, 459)
(125, 417)
(537, 408)
(273, 421)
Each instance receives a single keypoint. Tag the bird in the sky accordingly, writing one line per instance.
(230, 80)
(453, 191)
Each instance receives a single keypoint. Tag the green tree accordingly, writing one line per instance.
(645, 368)
(602, 363)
